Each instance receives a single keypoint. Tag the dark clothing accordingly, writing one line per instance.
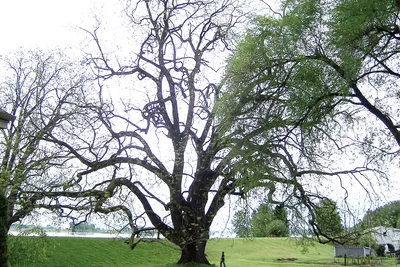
(222, 260)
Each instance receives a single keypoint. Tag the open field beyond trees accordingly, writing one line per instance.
(88, 252)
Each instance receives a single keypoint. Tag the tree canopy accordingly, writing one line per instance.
(266, 222)
(328, 218)
(387, 215)
(311, 85)
(343, 52)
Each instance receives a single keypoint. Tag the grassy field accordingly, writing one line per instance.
(87, 252)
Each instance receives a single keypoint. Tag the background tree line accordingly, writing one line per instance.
(263, 222)
(387, 216)
(267, 221)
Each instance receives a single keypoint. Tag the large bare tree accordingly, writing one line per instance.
(151, 147)
(159, 147)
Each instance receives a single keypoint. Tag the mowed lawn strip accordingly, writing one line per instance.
(260, 251)
(82, 252)
(91, 252)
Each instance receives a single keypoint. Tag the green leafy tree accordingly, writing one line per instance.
(343, 54)
(277, 228)
(241, 222)
(260, 220)
(263, 222)
(300, 83)
(387, 216)
(281, 214)
(328, 218)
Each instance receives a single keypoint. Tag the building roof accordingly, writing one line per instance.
(5, 116)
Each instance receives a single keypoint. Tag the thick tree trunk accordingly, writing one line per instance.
(194, 252)
(3, 231)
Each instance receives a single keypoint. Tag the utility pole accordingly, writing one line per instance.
(369, 228)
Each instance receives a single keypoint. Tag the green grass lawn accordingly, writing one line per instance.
(87, 252)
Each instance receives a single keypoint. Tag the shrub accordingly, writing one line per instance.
(366, 240)
(30, 247)
(277, 228)
(380, 251)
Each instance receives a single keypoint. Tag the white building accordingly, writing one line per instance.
(387, 235)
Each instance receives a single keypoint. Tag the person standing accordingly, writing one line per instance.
(222, 260)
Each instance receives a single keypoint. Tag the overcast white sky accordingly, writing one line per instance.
(45, 23)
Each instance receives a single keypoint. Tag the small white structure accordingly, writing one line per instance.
(5, 118)
(354, 252)
(387, 235)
